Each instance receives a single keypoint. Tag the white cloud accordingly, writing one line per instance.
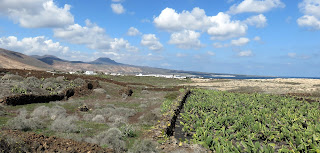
(309, 21)
(36, 13)
(259, 21)
(219, 45)
(117, 8)
(245, 53)
(310, 7)
(133, 31)
(33, 45)
(152, 42)
(223, 28)
(240, 42)
(117, 0)
(186, 39)
(211, 53)
(311, 10)
(170, 20)
(219, 27)
(255, 6)
(181, 55)
(120, 44)
(93, 36)
(256, 38)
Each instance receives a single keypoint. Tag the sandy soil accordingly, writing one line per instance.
(276, 86)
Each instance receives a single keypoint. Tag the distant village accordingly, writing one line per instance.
(122, 74)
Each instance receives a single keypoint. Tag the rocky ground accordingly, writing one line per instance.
(115, 116)
(274, 86)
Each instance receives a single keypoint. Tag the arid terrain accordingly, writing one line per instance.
(42, 111)
(274, 86)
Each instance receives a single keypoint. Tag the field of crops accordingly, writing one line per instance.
(234, 122)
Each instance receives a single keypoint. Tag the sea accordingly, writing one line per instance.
(210, 76)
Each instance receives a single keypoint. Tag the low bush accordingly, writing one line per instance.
(49, 113)
(60, 79)
(128, 131)
(32, 82)
(113, 138)
(99, 119)
(12, 77)
(65, 124)
(78, 82)
(144, 146)
(118, 121)
(11, 145)
(21, 122)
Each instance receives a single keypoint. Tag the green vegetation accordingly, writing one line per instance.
(18, 90)
(156, 81)
(168, 104)
(235, 122)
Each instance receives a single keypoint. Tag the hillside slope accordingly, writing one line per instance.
(15, 60)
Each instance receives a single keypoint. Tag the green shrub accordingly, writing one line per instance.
(172, 96)
(65, 124)
(21, 122)
(144, 146)
(114, 138)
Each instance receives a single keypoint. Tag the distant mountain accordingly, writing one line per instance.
(105, 61)
(15, 60)
(49, 59)
(101, 64)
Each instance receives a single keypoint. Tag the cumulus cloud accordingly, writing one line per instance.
(255, 6)
(120, 44)
(311, 18)
(133, 31)
(36, 13)
(309, 21)
(33, 45)
(117, 8)
(259, 21)
(223, 28)
(240, 42)
(152, 42)
(170, 20)
(93, 36)
(220, 27)
(310, 7)
(186, 39)
(245, 53)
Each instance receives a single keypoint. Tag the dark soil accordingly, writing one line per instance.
(30, 98)
(32, 142)
(170, 130)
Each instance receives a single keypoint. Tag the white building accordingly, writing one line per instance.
(89, 73)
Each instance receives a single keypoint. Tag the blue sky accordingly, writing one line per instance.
(258, 37)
